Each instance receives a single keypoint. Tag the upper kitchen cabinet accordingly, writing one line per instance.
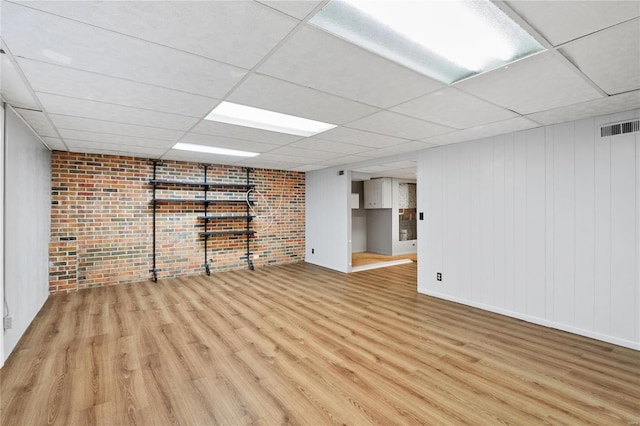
(377, 194)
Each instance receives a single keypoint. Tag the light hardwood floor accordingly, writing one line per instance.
(303, 345)
(366, 258)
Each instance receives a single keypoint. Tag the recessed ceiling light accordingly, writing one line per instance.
(257, 118)
(446, 40)
(213, 150)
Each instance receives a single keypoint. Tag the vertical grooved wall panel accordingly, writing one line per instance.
(535, 222)
(550, 216)
(585, 224)
(564, 220)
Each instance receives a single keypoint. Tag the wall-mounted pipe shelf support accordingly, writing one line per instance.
(208, 188)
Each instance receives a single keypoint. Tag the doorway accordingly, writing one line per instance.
(383, 215)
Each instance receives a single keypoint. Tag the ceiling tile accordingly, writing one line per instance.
(208, 127)
(199, 157)
(610, 58)
(309, 155)
(316, 59)
(455, 137)
(392, 124)
(562, 21)
(360, 137)
(249, 30)
(38, 121)
(112, 149)
(128, 89)
(80, 135)
(329, 146)
(399, 149)
(270, 156)
(100, 111)
(347, 159)
(14, 90)
(222, 142)
(55, 144)
(499, 128)
(64, 81)
(602, 106)
(98, 126)
(402, 164)
(66, 42)
(288, 98)
(536, 83)
(297, 8)
(308, 168)
(453, 108)
(261, 163)
(371, 169)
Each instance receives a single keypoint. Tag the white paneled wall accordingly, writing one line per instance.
(542, 225)
(358, 220)
(2, 225)
(327, 219)
(27, 213)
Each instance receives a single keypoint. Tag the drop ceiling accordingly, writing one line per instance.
(134, 78)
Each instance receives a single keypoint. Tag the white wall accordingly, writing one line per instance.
(379, 231)
(358, 220)
(541, 225)
(328, 219)
(26, 227)
(2, 225)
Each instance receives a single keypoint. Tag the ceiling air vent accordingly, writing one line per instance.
(620, 128)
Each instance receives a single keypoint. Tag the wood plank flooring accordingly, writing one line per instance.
(300, 344)
(366, 258)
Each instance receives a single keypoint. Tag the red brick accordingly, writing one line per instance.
(106, 204)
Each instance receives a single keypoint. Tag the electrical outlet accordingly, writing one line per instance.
(313, 251)
(8, 323)
(439, 276)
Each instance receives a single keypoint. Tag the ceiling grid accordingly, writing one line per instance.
(135, 78)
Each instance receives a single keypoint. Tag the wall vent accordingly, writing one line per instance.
(620, 128)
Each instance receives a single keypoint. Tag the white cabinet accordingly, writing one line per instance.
(355, 201)
(377, 194)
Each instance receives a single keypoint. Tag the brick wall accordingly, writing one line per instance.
(104, 202)
(63, 270)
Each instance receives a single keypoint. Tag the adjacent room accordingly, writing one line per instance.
(320, 212)
(383, 215)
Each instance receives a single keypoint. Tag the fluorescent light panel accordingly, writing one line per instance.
(446, 40)
(213, 150)
(257, 118)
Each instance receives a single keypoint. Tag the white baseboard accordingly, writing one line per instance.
(536, 320)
